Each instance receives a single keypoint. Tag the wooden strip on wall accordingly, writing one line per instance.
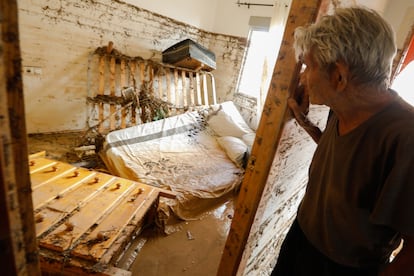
(63, 206)
(284, 79)
(198, 84)
(104, 235)
(176, 90)
(62, 238)
(191, 80)
(168, 78)
(132, 66)
(123, 85)
(112, 109)
(205, 89)
(101, 91)
(184, 97)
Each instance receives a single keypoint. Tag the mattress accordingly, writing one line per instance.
(179, 153)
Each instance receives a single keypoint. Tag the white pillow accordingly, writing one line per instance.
(235, 148)
(248, 139)
(228, 121)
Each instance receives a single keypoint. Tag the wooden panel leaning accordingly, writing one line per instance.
(124, 91)
(84, 218)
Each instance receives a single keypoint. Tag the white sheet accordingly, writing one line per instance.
(179, 153)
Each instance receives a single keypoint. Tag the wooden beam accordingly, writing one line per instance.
(284, 80)
(14, 177)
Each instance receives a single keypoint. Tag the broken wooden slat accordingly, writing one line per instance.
(64, 236)
(62, 206)
(103, 236)
(284, 80)
(55, 170)
(60, 186)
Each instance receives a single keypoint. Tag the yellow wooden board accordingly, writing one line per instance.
(61, 207)
(104, 235)
(61, 185)
(49, 172)
(64, 236)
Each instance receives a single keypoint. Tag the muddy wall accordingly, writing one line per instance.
(58, 37)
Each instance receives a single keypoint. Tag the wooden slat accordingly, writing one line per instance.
(132, 69)
(112, 109)
(60, 186)
(123, 84)
(63, 238)
(61, 207)
(205, 89)
(39, 164)
(284, 80)
(168, 78)
(101, 90)
(176, 90)
(184, 80)
(104, 235)
(198, 88)
(50, 173)
(191, 80)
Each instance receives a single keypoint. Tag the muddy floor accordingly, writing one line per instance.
(191, 248)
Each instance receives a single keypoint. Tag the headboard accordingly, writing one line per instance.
(124, 91)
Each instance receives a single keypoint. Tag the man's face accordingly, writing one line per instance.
(316, 81)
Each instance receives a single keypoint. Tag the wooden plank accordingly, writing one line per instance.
(136, 205)
(112, 108)
(284, 80)
(191, 80)
(198, 85)
(176, 90)
(37, 155)
(61, 185)
(168, 79)
(101, 90)
(132, 69)
(123, 85)
(38, 164)
(205, 89)
(63, 206)
(50, 173)
(64, 236)
(19, 251)
(184, 82)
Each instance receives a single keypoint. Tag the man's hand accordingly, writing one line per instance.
(299, 104)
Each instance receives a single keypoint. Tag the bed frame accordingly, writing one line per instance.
(124, 91)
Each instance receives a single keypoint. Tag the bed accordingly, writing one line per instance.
(199, 155)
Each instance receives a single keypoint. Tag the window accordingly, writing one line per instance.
(254, 65)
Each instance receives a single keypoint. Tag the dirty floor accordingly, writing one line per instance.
(192, 248)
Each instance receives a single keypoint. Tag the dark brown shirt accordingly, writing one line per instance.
(360, 194)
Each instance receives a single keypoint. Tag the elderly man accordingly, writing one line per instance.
(359, 201)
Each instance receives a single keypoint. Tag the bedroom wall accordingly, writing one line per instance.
(57, 38)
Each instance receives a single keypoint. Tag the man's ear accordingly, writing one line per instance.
(340, 76)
